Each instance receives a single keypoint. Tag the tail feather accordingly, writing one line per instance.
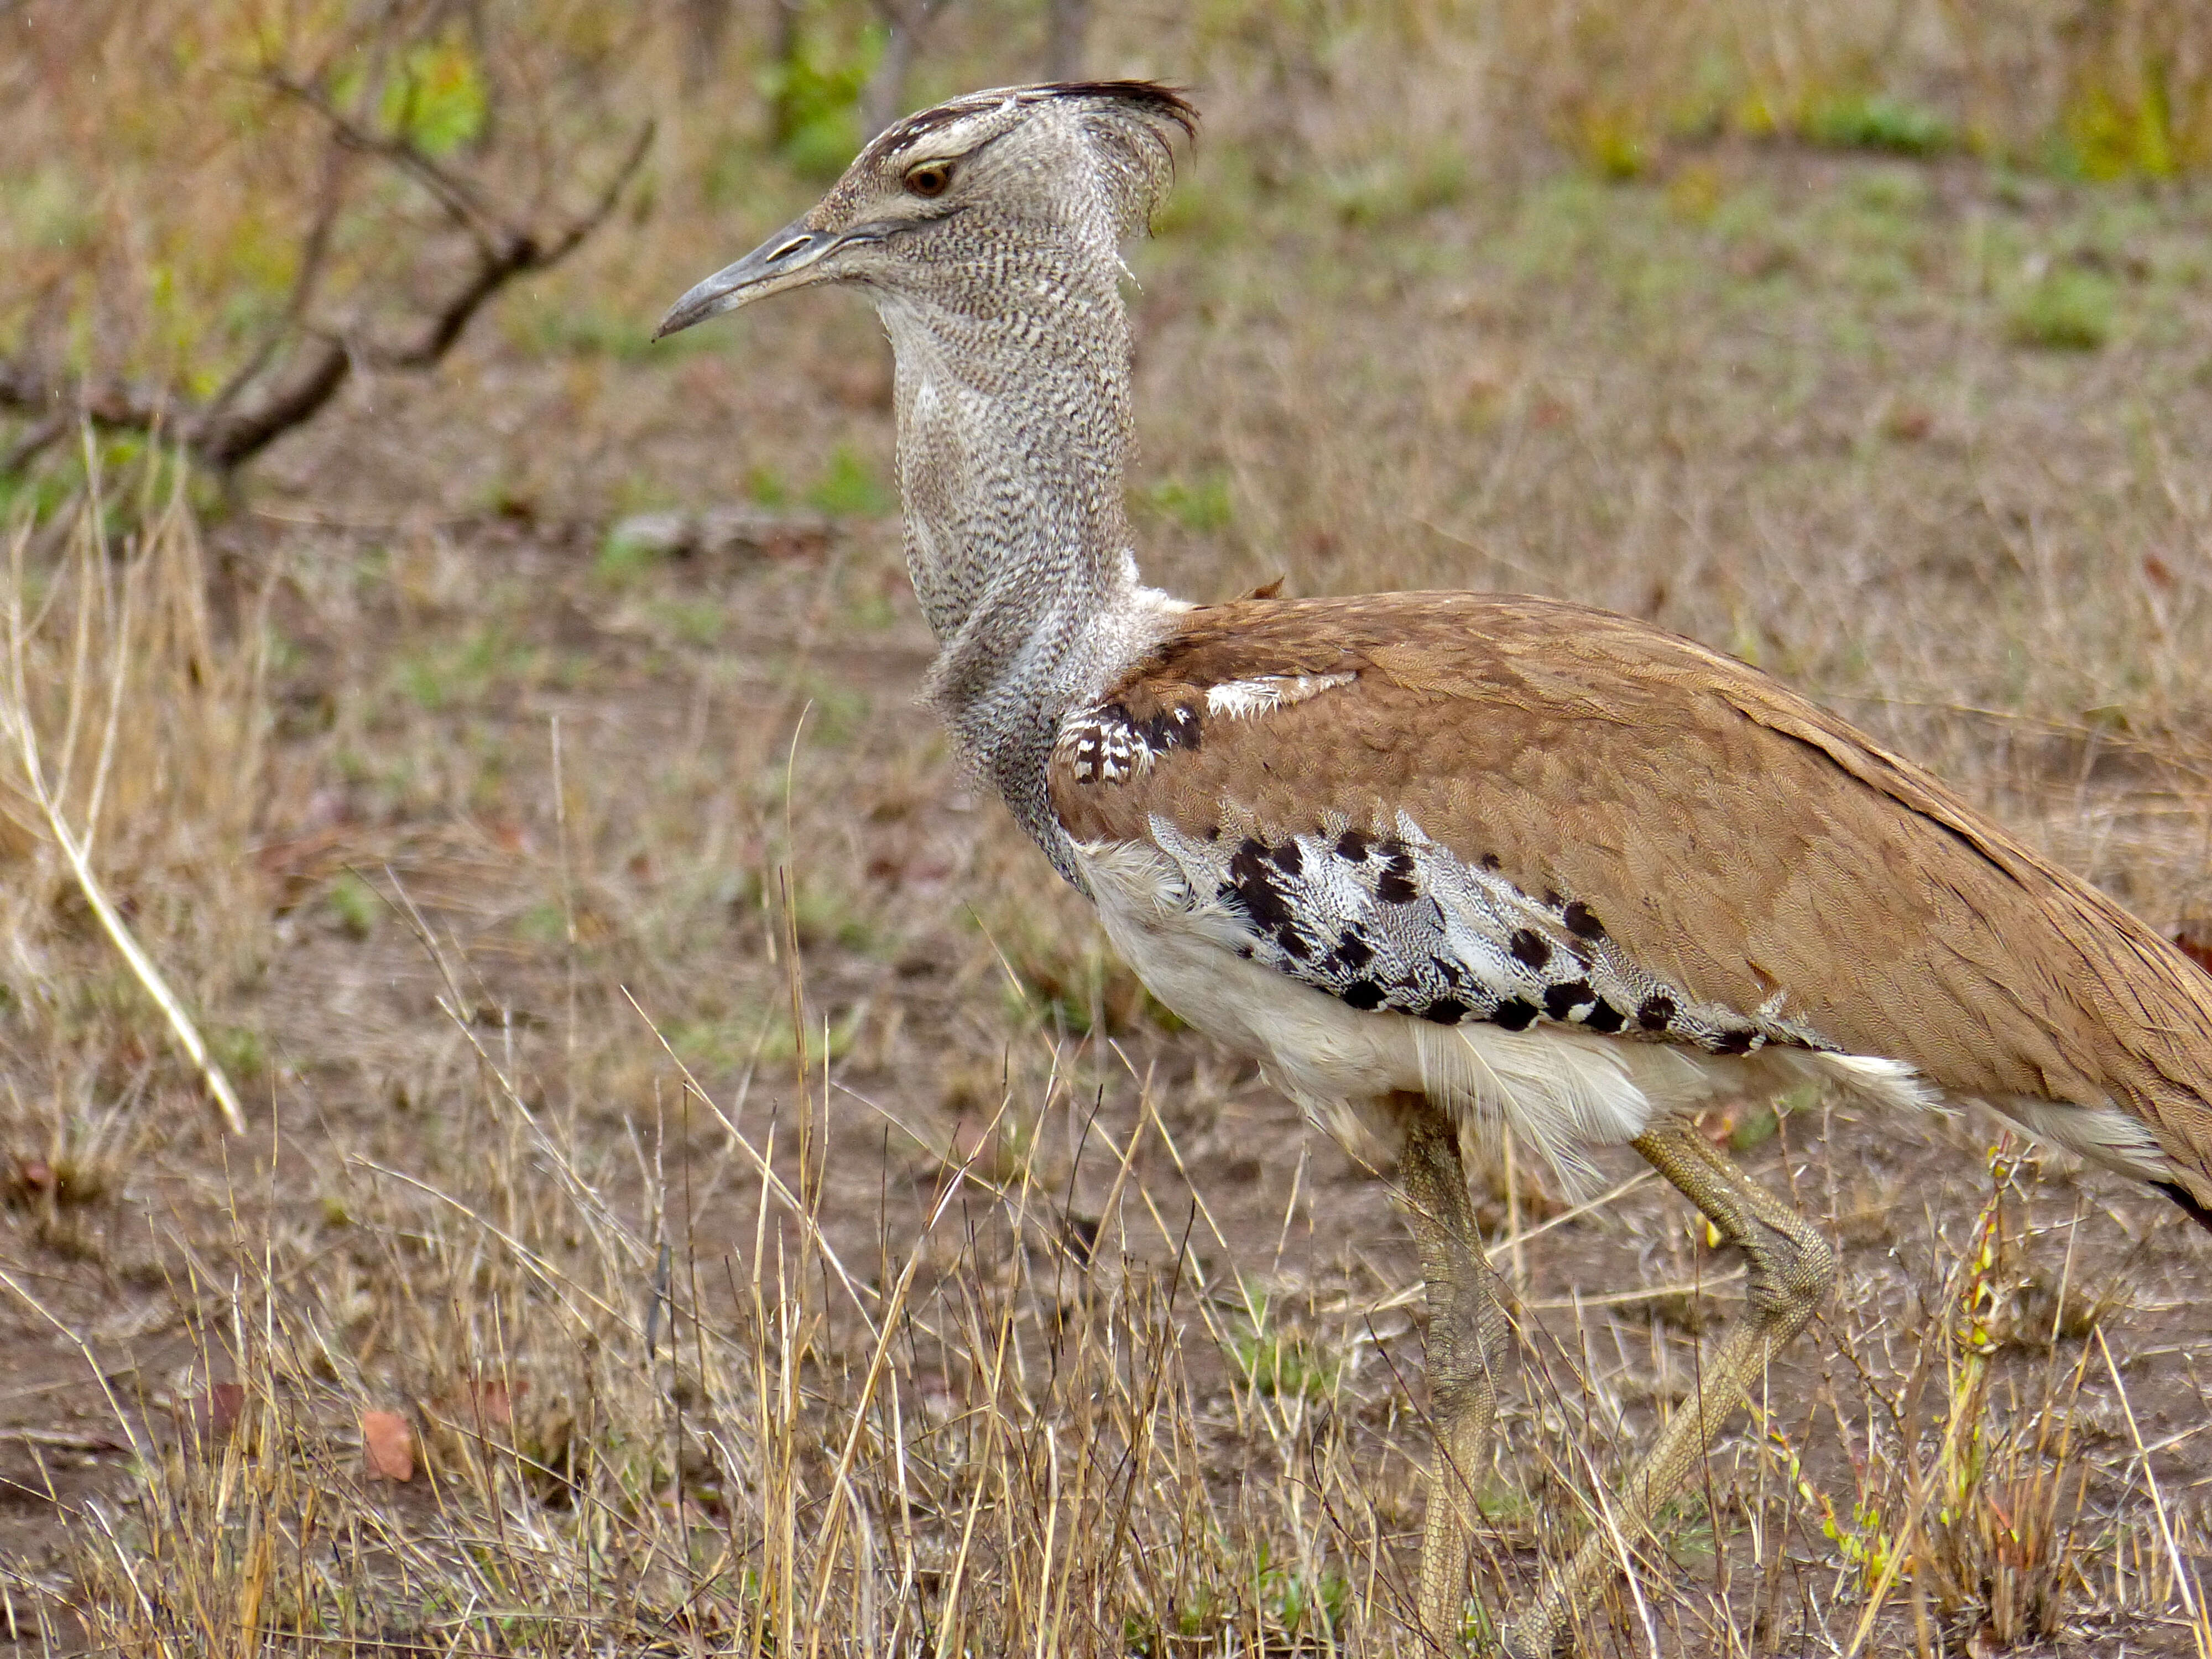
(2181, 1195)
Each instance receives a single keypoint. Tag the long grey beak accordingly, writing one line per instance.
(783, 261)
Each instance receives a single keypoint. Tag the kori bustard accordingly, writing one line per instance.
(1444, 861)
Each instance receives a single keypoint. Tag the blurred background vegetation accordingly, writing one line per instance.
(211, 215)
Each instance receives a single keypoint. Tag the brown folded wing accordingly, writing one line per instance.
(1725, 833)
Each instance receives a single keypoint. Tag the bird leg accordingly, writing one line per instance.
(1466, 1343)
(1791, 1267)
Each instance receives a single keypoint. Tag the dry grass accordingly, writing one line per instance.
(700, 1123)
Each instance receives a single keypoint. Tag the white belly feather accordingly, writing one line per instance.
(1560, 1087)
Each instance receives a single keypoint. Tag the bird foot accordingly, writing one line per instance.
(1516, 1643)
(1481, 1638)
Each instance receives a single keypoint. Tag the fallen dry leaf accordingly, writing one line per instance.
(212, 1414)
(1909, 424)
(387, 1447)
(490, 1401)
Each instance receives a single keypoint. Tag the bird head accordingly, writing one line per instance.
(1075, 166)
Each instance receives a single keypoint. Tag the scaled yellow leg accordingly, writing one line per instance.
(1466, 1343)
(1791, 1270)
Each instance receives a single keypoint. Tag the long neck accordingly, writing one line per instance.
(1013, 432)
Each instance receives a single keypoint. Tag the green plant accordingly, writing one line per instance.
(2063, 310)
(697, 623)
(712, 1047)
(1199, 503)
(850, 488)
(340, 158)
(1396, 188)
(2105, 134)
(1504, 1505)
(1304, 1603)
(354, 905)
(1276, 1363)
(444, 674)
(1614, 143)
(1754, 1127)
(814, 89)
(767, 486)
(624, 556)
(1076, 985)
(242, 1051)
(435, 99)
(1877, 121)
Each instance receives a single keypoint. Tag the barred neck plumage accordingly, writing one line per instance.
(1013, 435)
(985, 229)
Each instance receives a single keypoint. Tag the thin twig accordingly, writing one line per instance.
(15, 716)
(463, 202)
(2182, 1582)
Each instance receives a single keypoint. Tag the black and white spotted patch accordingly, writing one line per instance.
(1107, 744)
(1397, 922)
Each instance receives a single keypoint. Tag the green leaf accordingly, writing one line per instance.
(436, 101)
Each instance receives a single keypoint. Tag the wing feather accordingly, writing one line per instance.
(1735, 847)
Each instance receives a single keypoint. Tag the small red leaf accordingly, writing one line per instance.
(387, 1447)
(213, 1414)
(1909, 424)
(491, 1401)
(225, 1401)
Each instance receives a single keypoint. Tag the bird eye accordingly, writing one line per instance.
(930, 179)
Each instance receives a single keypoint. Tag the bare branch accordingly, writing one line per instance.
(40, 435)
(610, 195)
(314, 253)
(110, 403)
(225, 441)
(520, 253)
(458, 196)
(232, 428)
